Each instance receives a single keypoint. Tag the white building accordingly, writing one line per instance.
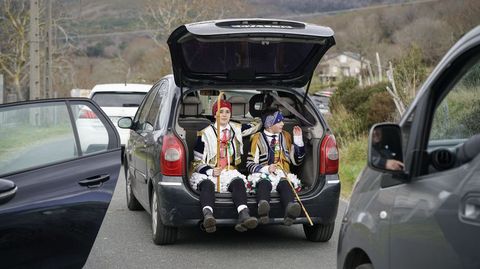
(346, 64)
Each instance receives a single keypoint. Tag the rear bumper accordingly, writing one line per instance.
(180, 207)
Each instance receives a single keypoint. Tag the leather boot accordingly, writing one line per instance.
(263, 209)
(245, 221)
(292, 211)
(209, 221)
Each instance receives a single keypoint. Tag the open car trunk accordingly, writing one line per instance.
(195, 114)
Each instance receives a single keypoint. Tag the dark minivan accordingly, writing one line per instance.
(257, 63)
(426, 214)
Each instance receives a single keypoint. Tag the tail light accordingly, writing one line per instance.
(87, 114)
(329, 155)
(172, 156)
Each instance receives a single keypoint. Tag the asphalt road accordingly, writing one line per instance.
(124, 241)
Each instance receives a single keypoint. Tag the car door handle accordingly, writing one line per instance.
(8, 189)
(95, 181)
(470, 210)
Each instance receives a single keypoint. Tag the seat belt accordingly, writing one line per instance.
(290, 108)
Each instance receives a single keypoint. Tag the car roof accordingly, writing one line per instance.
(121, 87)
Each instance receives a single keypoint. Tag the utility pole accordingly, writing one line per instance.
(34, 50)
(1, 89)
(48, 52)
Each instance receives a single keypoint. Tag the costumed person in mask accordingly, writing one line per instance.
(207, 169)
(271, 154)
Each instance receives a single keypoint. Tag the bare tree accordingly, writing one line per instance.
(14, 22)
(433, 36)
(161, 17)
(165, 15)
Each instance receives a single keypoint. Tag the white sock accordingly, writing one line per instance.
(241, 207)
(208, 207)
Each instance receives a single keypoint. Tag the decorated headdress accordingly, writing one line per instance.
(272, 119)
(223, 103)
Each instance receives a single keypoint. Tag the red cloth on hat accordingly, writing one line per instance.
(223, 103)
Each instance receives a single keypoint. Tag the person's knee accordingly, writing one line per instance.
(206, 185)
(282, 185)
(237, 184)
(264, 184)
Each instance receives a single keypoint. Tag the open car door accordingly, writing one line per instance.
(59, 164)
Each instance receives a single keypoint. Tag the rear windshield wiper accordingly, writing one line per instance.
(129, 105)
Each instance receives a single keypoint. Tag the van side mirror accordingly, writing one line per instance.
(125, 123)
(385, 148)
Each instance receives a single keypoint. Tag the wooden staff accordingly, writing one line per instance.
(217, 116)
(296, 195)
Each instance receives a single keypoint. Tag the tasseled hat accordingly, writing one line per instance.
(223, 103)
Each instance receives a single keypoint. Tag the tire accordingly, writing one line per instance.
(318, 232)
(365, 266)
(162, 235)
(132, 202)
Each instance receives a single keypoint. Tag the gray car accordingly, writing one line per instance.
(417, 204)
(258, 64)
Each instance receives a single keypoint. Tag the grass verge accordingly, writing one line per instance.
(353, 158)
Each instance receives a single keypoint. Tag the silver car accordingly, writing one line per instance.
(417, 204)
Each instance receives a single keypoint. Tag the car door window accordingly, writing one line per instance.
(92, 132)
(141, 124)
(165, 106)
(457, 117)
(155, 107)
(35, 134)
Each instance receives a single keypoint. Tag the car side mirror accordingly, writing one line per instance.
(385, 148)
(125, 123)
(8, 189)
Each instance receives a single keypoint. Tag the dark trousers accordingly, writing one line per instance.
(264, 188)
(236, 187)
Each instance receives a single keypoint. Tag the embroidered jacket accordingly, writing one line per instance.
(261, 154)
(205, 151)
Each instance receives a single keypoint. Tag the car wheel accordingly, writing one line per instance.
(365, 266)
(132, 202)
(162, 234)
(318, 232)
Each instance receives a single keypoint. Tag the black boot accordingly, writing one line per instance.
(263, 209)
(209, 221)
(292, 211)
(245, 221)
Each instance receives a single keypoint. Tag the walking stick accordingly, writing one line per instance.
(218, 136)
(298, 198)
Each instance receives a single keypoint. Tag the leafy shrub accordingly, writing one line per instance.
(344, 125)
(367, 105)
(381, 109)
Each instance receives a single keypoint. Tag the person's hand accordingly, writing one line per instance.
(392, 164)
(272, 168)
(217, 171)
(297, 131)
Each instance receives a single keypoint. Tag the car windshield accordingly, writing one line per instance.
(118, 99)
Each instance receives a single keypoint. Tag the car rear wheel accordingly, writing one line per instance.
(162, 234)
(318, 232)
(132, 202)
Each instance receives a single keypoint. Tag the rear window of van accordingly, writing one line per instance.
(118, 99)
